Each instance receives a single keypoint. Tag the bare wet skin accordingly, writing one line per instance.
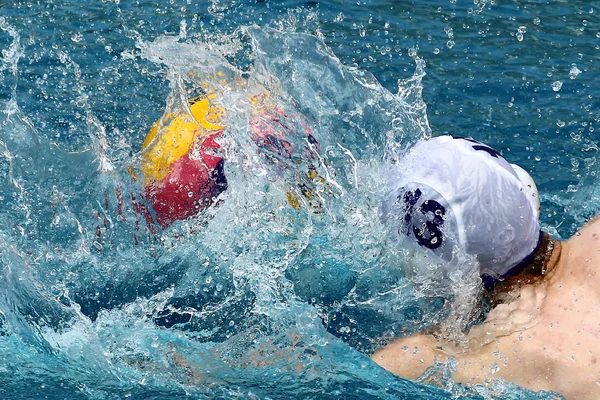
(546, 338)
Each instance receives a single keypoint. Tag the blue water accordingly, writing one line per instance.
(254, 299)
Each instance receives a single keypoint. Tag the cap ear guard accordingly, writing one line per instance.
(530, 186)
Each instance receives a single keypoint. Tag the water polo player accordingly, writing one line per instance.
(543, 331)
(183, 173)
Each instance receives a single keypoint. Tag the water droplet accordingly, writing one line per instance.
(536, 21)
(436, 51)
(574, 72)
(78, 37)
(450, 32)
(557, 85)
(520, 31)
(494, 368)
(575, 163)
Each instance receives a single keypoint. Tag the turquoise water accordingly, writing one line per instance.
(254, 299)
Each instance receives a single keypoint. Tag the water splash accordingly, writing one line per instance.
(10, 57)
(250, 288)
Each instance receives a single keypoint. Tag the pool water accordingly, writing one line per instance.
(255, 298)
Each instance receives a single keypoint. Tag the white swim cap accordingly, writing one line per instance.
(530, 187)
(459, 192)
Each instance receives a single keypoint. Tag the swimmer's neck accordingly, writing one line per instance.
(553, 267)
(545, 267)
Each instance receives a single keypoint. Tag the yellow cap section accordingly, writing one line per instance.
(177, 136)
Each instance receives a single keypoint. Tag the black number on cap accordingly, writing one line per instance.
(488, 150)
(429, 235)
(480, 146)
(434, 238)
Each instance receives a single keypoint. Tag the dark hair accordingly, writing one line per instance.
(530, 273)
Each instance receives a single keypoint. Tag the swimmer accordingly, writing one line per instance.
(543, 331)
